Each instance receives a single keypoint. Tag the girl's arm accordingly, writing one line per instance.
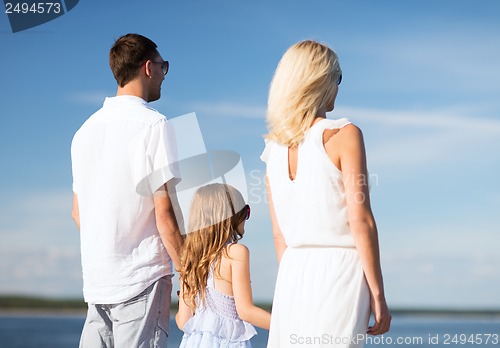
(362, 222)
(279, 240)
(242, 291)
(184, 313)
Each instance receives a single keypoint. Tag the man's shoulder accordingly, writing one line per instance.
(142, 113)
(151, 115)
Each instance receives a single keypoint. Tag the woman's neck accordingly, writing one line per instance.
(317, 119)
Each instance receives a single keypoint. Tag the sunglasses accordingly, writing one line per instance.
(246, 208)
(340, 79)
(247, 211)
(164, 66)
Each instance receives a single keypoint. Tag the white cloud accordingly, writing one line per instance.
(39, 245)
(471, 56)
(38, 218)
(229, 109)
(432, 279)
(94, 98)
(42, 271)
(461, 117)
(416, 138)
(460, 58)
(447, 263)
(445, 119)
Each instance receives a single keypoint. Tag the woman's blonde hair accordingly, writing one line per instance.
(303, 84)
(216, 211)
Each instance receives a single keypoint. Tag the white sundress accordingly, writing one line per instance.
(217, 324)
(321, 297)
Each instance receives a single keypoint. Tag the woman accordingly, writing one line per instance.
(324, 231)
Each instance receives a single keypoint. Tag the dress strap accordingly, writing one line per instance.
(265, 154)
(210, 278)
(318, 129)
(330, 124)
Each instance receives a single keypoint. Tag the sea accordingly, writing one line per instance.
(20, 330)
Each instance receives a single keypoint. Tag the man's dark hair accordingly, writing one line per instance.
(127, 55)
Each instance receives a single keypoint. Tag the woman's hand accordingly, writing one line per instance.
(382, 317)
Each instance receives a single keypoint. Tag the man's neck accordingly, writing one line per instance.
(134, 89)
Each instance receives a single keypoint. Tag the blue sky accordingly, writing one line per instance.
(421, 79)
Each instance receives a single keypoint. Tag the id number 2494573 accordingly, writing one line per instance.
(35, 8)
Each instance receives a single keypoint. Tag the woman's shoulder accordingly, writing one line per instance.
(350, 135)
(341, 142)
(341, 130)
(350, 130)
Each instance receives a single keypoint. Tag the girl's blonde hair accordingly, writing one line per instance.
(216, 211)
(303, 84)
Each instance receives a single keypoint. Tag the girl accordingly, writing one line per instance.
(215, 301)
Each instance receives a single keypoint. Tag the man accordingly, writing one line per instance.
(123, 160)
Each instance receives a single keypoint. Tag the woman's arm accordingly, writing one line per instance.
(279, 240)
(75, 212)
(242, 291)
(184, 313)
(361, 220)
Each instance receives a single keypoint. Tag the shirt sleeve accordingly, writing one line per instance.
(73, 166)
(162, 156)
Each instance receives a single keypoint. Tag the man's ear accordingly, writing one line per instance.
(147, 68)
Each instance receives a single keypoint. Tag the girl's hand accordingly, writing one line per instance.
(382, 317)
(184, 313)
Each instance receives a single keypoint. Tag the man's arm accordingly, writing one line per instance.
(167, 225)
(75, 212)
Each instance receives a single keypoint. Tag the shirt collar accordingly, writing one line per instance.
(124, 99)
